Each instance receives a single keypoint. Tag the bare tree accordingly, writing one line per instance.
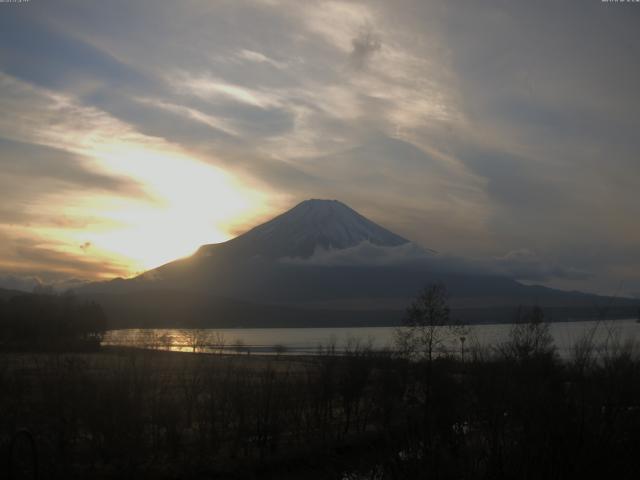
(218, 342)
(196, 338)
(529, 337)
(427, 324)
(239, 345)
(166, 341)
(280, 349)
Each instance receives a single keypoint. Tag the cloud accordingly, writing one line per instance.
(522, 264)
(214, 122)
(27, 261)
(365, 45)
(41, 258)
(258, 57)
(217, 89)
(42, 53)
(366, 254)
(35, 168)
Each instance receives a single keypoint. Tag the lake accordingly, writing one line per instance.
(305, 341)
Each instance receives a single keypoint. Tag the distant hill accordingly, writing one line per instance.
(322, 264)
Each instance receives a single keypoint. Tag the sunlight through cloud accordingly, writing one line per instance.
(181, 202)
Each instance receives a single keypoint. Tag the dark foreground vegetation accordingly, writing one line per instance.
(50, 322)
(514, 411)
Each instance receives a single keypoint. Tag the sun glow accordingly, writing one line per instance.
(182, 203)
(188, 203)
(163, 203)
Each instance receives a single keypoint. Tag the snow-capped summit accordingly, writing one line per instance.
(310, 226)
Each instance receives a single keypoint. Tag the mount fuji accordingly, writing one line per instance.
(319, 264)
(310, 226)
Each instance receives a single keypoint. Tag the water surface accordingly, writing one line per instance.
(309, 340)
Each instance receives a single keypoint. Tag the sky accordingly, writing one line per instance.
(132, 132)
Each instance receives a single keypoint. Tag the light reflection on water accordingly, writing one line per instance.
(307, 340)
